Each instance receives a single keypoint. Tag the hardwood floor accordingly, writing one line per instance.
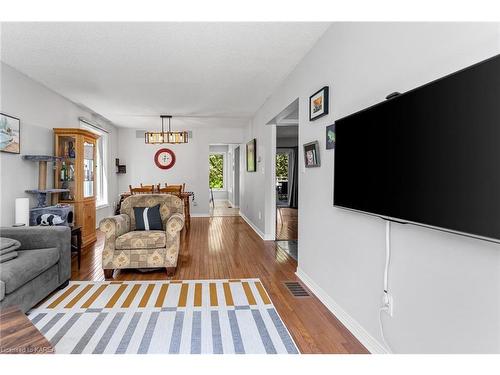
(19, 336)
(226, 247)
(286, 224)
(223, 208)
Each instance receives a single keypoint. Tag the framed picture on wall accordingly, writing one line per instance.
(10, 134)
(311, 154)
(318, 104)
(330, 137)
(252, 156)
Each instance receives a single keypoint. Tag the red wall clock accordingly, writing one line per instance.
(165, 158)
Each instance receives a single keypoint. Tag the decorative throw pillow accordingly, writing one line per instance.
(148, 218)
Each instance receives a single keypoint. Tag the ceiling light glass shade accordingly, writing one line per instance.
(166, 136)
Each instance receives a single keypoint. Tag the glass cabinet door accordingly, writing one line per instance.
(88, 169)
(66, 170)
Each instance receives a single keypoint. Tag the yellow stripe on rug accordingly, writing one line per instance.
(248, 293)
(111, 303)
(94, 296)
(161, 295)
(79, 296)
(63, 296)
(147, 294)
(213, 295)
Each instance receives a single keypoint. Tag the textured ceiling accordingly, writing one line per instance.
(132, 72)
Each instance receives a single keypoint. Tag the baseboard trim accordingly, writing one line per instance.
(348, 321)
(200, 215)
(254, 227)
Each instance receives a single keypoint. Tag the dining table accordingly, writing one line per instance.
(185, 196)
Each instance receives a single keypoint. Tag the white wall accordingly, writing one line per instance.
(40, 109)
(446, 287)
(191, 164)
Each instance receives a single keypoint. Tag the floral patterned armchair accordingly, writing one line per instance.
(124, 247)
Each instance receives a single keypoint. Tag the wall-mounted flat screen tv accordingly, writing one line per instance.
(430, 156)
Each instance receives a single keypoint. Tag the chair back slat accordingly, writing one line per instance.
(141, 190)
(171, 189)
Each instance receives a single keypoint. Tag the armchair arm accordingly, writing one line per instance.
(175, 223)
(32, 238)
(115, 226)
(112, 227)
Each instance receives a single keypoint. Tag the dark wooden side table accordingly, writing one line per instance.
(76, 231)
(19, 336)
(185, 195)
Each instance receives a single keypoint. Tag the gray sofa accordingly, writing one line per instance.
(43, 265)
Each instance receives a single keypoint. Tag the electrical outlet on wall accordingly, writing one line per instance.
(260, 215)
(388, 304)
(195, 203)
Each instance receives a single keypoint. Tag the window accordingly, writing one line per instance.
(216, 172)
(282, 167)
(101, 164)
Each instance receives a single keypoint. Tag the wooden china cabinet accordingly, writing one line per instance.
(76, 172)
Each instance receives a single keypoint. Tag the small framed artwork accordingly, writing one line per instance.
(330, 137)
(311, 154)
(10, 134)
(318, 104)
(252, 156)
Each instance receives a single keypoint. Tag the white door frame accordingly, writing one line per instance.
(271, 185)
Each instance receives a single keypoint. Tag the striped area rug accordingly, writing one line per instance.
(177, 317)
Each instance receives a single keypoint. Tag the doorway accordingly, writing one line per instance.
(224, 180)
(286, 183)
(286, 179)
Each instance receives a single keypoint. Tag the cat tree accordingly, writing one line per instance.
(42, 191)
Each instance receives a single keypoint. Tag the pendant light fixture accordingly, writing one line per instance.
(166, 136)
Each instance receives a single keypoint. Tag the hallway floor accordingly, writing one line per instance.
(223, 208)
(286, 223)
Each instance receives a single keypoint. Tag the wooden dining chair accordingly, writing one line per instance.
(181, 186)
(141, 190)
(147, 186)
(171, 189)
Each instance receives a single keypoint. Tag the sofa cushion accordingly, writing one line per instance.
(149, 239)
(28, 265)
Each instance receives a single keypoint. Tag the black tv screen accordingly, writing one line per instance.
(430, 156)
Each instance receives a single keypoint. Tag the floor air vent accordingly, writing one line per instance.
(296, 289)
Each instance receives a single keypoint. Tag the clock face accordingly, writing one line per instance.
(165, 158)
